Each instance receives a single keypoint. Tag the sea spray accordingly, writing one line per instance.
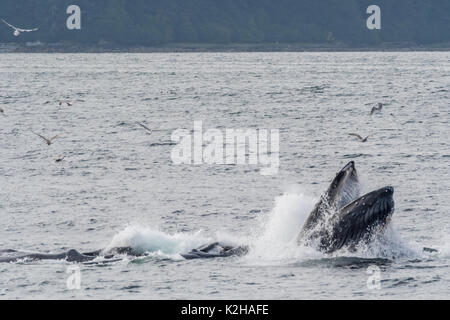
(277, 238)
(443, 248)
(387, 245)
(145, 239)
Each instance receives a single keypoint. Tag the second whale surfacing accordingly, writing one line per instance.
(8, 256)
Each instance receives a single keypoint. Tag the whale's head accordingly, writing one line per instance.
(362, 219)
(344, 188)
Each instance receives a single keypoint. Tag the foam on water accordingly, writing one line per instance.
(146, 239)
(444, 248)
(388, 245)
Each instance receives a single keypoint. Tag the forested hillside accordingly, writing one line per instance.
(159, 22)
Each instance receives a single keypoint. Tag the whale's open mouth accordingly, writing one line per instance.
(345, 186)
(342, 219)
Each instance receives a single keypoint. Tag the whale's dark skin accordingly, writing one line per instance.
(359, 221)
(341, 220)
(69, 256)
(215, 250)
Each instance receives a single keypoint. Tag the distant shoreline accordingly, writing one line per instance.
(37, 47)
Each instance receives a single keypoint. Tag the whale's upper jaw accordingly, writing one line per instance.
(345, 187)
(349, 166)
(361, 219)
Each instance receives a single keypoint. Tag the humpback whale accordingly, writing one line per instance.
(359, 221)
(70, 256)
(340, 219)
(213, 250)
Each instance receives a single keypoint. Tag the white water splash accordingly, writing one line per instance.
(277, 238)
(444, 248)
(388, 245)
(144, 239)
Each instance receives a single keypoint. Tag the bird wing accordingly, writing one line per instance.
(53, 138)
(42, 137)
(145, 127)
(356, 135)
(10, 25)
(27, 30)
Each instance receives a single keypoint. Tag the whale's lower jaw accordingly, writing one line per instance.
(358, 222)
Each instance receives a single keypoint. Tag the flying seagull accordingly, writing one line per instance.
(48, 141)
(60, 158)
(359, 137)
(69, 103)
(376, 109)
(145, 127)
(17, 31)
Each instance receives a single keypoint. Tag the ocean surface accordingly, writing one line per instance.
(118, 184)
